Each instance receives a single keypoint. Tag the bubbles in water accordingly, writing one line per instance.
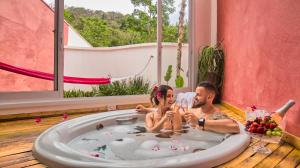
(120, 144)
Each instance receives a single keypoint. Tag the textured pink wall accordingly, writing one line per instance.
(262, 50)
(26, 40)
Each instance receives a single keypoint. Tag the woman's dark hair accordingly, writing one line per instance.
(161, 91)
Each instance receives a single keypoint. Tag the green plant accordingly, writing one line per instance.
(211, 67)
(168, 75)
(179, 81)
(133, 86)
(78, 93)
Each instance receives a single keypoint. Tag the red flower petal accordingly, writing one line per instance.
(65, 116)
(38, 119)
(158, 95)
(253, 108)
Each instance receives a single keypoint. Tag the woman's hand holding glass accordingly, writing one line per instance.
(170, 115)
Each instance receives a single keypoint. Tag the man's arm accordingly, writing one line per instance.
(220, 125)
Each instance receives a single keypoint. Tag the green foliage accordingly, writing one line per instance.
(179, 81)
(106, 29)
(211, 67)
(95, 30)
(168, 75)
(135, 86)
(78, 93)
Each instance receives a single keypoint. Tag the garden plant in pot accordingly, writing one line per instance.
(211, 67)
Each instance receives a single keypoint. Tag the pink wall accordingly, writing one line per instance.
(26, 40)
(262, 54)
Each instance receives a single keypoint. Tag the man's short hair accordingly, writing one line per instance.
(208, 85)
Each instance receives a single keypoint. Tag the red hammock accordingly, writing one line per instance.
(48, 76)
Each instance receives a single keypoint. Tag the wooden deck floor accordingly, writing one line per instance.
(17, 137)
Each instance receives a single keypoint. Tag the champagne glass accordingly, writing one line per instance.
(185, 108)
(257, 115)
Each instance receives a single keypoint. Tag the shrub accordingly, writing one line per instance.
(134, 86)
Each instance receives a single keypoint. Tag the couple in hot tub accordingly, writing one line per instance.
(203, 115)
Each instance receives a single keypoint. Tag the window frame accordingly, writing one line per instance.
(45, 100)
(58, 64)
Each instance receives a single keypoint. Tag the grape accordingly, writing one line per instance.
(278, 133)
(269, 133)
(277, 129)
(274, 133)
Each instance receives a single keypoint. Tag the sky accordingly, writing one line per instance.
(123, 6)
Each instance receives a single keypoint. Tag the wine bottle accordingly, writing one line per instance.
(278, 115)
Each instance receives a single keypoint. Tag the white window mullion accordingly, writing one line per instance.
(193, 56)
(59, 48)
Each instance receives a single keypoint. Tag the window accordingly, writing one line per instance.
(30, 50)
(175, 48)
(101, 43)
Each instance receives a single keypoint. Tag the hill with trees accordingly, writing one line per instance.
(107, 29)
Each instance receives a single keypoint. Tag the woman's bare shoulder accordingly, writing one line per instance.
(150, 115)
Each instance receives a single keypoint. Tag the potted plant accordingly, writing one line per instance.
(211, 67)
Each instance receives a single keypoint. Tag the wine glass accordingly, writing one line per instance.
(185, 107)
(257, 116)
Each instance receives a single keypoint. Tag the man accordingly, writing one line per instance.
(204, 115)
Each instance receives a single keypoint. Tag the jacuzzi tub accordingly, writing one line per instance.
(62, 145)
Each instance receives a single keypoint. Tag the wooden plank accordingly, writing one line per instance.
(10, 159)
(14, 149)
(9, 141)
(292, 139)
(23, 164)
(24, 127)
(16, 161)
(234, 109)
(276, 156)
(37, 166)
(131, 106)
(292, 160)
(246, 154)
(51, 113)
(257, 157)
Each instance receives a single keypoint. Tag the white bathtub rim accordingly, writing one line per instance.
(241, 141)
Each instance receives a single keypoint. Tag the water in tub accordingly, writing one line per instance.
(131, 142)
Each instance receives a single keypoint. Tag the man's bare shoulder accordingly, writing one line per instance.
(218, 116)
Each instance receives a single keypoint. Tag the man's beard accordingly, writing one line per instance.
(197, 103)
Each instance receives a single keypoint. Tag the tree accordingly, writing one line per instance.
(107, 29)
(96, 31)
(180, 40)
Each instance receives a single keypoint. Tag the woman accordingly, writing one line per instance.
(164, 117)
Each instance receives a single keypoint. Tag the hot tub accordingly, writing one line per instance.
(117, 139)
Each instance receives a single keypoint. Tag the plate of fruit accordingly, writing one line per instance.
(264, 128)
